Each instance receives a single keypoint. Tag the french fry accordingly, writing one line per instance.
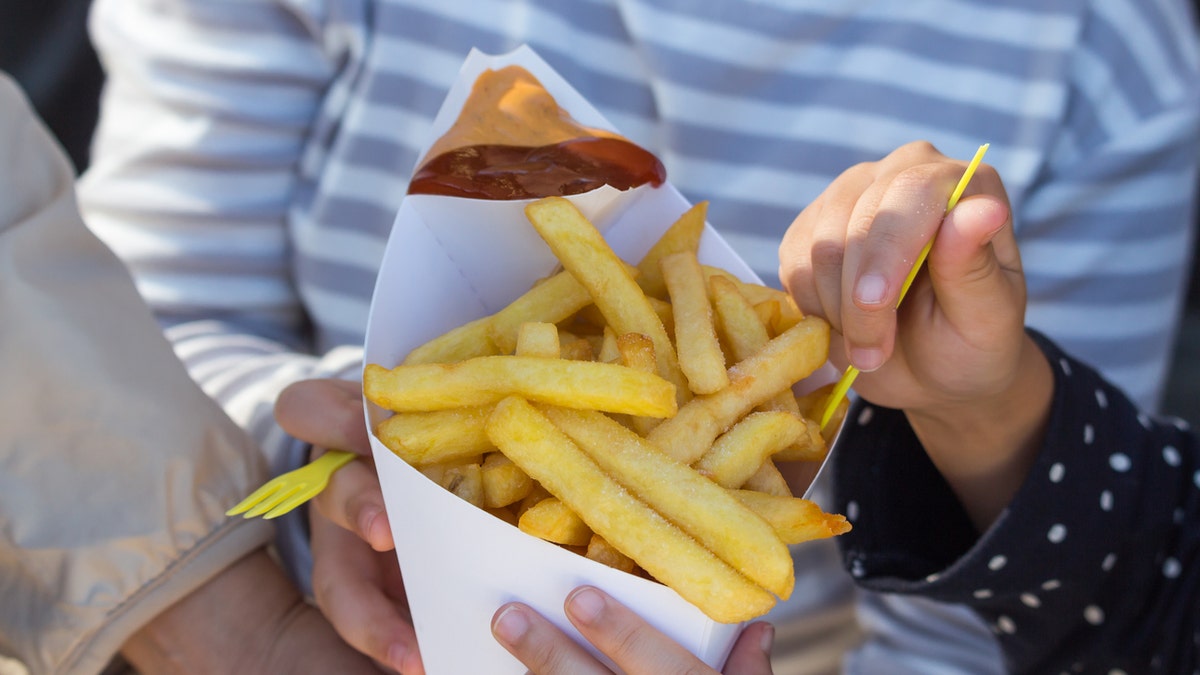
(637, 352)
(812, 405)
(609, 352)
(737, 454)
(549, 301)
(744, 332)
(683, 235)
(504, 483)
(464, 480)
(437, 436)
(583, 252)
(699, 351)
(606, 554)
(554, 521)
(487, 379)
(784, 360)
(794, 519)
(467, 341)
(575, 347)
(693, 503)
(538, 338)
(768, 479)
(662, 549)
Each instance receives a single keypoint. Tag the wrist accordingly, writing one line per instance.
(985, 447)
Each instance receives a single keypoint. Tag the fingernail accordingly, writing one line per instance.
(866, 360)
(511, 625)
(366, 518)
(768, 639)
(586, 604)
(870, 289)
(396, 655)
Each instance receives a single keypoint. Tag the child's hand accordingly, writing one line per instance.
(955, 356)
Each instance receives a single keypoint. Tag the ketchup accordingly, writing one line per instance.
(571, 167)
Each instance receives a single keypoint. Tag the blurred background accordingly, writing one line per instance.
(44, 46)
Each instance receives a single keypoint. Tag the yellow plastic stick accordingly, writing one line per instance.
(843, 385)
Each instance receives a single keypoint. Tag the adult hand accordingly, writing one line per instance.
(247, 619)
(356, 580)
(633, 645)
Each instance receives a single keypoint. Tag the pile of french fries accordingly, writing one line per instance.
(634, 414)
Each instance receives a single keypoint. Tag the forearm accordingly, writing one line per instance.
(984, 448)
(248, 619)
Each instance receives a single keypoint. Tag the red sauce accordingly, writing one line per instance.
(514, 172)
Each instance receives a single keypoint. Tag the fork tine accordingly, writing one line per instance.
(266, 490)
(292, 502)
(275, 499)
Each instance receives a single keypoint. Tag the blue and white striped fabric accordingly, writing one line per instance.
(252, 153)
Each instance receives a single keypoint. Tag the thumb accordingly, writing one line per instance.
(327, 413)
(974, 264)
(751, 653)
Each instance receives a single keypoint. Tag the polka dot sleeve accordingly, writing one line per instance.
(1095, 565)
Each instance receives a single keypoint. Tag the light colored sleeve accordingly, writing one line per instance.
(1107, 231)
(115, 469)
(205, 124)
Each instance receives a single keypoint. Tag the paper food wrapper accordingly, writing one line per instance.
(452, 260)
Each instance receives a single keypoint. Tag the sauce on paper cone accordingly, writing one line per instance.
(513, 141)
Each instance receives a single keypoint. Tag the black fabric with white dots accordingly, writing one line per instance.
(1095, 565)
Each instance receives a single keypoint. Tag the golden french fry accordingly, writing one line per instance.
(505, 514)
(437, 436)
(812, 405)
(768, 313)
(744, 332)
(637, 352)
(467, 341)
(672, 557)
(487, 379)
(693, 503)
(575, 347)
(538, 338)
(608, 352)
(504, 483)
(606, 554)
(768, 479)
(583, 252)
(738, 453)
(783, 361)
(552, 520)
(683, 235)
(699, 351)
(549, 301)
(795, 520)
(810, 446)
(536, 494)
(465, 480)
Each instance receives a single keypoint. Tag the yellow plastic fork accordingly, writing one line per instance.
(284, 493)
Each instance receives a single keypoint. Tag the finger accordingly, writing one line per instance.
(353, 500)
(751, 654)
(975, 264)
(326, 412)
(540, 645)
(634, 645)
(349, 588)
(884, 249)
(812, 250)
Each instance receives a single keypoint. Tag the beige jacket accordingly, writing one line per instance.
(115, 469)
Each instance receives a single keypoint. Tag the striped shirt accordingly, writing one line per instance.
(252, 153)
